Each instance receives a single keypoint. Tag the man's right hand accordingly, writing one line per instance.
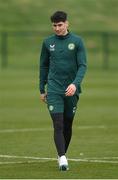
(43, 97)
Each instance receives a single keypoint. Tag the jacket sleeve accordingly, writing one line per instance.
(81, 64)
(43, 68)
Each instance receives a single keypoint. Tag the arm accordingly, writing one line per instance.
(82, 66)
(81, 63)
(43, 69)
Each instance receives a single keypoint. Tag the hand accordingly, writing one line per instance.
(43, 97)
(70, 91)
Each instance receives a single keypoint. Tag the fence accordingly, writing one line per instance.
(22, 49)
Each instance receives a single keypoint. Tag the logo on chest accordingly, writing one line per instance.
(71, 46)
(52, 47)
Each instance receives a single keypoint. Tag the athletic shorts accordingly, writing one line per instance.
(60, 103)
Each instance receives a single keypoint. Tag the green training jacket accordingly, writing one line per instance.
(62, 62)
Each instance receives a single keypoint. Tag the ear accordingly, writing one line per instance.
(67, 24)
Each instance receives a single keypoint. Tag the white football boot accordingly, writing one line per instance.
(63, 163)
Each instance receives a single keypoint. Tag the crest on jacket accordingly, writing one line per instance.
(71, 46)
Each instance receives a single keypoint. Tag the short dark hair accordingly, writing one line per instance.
(59, 16)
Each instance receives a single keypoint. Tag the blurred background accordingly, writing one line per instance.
(23, 26)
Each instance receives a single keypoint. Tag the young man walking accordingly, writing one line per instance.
(62, 69)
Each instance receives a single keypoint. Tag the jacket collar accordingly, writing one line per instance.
(63, 37)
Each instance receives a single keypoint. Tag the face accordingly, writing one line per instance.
(60, 28)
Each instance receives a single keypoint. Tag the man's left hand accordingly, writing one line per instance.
(71, 89)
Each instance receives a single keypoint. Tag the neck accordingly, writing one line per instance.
(65, 33)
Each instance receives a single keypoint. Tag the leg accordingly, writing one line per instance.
(56, 108)
(69, 113)
(67, 131)
(58, 133)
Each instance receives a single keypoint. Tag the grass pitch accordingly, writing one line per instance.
(26, 134)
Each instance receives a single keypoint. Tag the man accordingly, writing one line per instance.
(62, 68)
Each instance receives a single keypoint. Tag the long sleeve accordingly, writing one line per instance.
(81, 63)
(43, 68)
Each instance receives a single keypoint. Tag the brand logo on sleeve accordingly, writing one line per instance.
(52, 47)
(71, 46)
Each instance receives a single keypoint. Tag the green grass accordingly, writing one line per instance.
(40, 171)
(94, 131)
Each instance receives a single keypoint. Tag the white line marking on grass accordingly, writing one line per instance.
(47, 129)
(44, 159)
(103, 158)
(94, 161)
(26, 157)
(24, 130)
(92, 127)
(19, 162)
